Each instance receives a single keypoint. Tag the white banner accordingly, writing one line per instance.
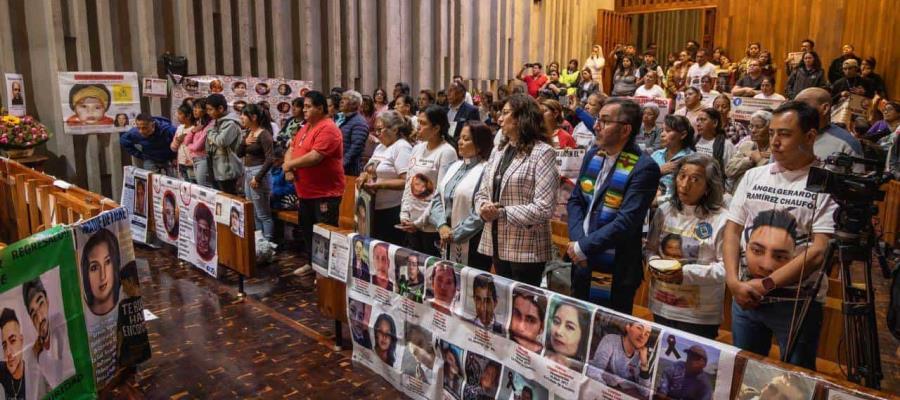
(15, 94)
(166, 212)
(135, 194)
(98, 102)
(197, 240)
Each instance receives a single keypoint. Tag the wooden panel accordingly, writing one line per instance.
(612, 28)
(889, 213)
(235, 252)
(645, 6)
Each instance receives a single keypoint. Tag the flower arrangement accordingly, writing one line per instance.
(21, 133)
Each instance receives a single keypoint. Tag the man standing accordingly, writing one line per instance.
(354, 130)
(535, 80)
(316, 163)
(459, 111)
(606, 211)
(684, 379)
(830, 138)
(149, 142)
(768, 231)
(835, 70)
(459, 78)
(51, 348)
(222, 140)
(700, 69)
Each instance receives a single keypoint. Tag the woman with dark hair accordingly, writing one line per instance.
(867, 70)
(100, 262)
(586, 86)
(195, 141)
(569, 76)
(384, 176)
(690, 298)
(257, 150)
(676, 75)
(428, 163)
(765, 64)
(767, 90)
(551, 111)
(517, 197)
(406, 106)
(381, 100)
(184, 117)
(711, 138)
(693, 103)
(452, 208)
(751, 153)
(385, 339)
(625, 79)
(567, 334)
(121, 118)
(677, 141)
(752, 54)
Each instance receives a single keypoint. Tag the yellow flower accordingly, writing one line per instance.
(11, 119)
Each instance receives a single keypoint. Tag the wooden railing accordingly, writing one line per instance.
(646, 6)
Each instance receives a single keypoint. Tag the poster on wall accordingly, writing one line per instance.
(165, 208)
(98, 102)
(568, 162)
(111, 294)
(15, 94)
(135, 186)
(197, 240)
(154, 87)
(275, 94)
(39, 304)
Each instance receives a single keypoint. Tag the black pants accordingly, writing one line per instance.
(530, 273)
(383, 222)
(707, 331)
(621, 297)
(316, 211)
(423, 242)
(229, 186)
(476, 259)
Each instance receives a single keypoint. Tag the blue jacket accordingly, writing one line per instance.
(622, 233)
(156, 147)
(466, 112)
(355, 131)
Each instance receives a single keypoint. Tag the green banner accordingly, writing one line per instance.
(44, 338)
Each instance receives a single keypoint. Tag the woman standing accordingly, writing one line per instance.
(765, 64)
(677, 142)
(195, 141)
(751, 153)
(406, 106)
(752, 54)
(569, 76)
(711, 138)
(257, 151)
(595, 63)
(381, 101)
(676, 76)
(184, 115)
(428, 162)
(552, 114)
(586, 86)
(809, 74)
(688, 230)
(625, 80)
(452, 208)
(385, 175)
(516, 200)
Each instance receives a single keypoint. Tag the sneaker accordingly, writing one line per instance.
(304, 270)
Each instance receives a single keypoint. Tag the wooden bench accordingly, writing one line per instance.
(346, 213)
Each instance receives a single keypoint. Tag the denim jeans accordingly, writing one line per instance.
(158, 167)
(260, 198)
(752, 330)
(186, 173)
(201, 171)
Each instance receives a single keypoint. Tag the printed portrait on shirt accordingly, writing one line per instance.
(771, 241)
(262, 89)
(421, 187)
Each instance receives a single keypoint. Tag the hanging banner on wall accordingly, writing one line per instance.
(15, 94)
(135, 186)
(242, 90)
(165, 208)
(99, 102)
(197, 240)
(111, 294)
(154, 87)
(39, 303)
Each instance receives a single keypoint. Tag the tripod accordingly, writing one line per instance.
(858, 303)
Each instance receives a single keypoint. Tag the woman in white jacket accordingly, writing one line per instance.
(688, 229)
(595, 63)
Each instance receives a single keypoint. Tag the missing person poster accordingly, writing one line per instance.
(275, 94)
(165, 208)
(568, 162)
(111, 294)
(435, 329)
(45, 342)
(339, 256)
(321, 246)
(135, 187)
(14, 94)
(197, 240)
(99, 102)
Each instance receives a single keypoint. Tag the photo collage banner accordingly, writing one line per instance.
(99, 102)
(435, 329)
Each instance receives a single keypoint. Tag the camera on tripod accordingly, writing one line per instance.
(855, 184)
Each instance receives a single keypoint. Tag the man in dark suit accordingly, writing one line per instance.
(459, 111)
(606, 211)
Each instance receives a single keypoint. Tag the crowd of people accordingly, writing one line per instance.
(699, 203)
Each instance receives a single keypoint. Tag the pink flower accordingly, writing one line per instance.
(3, 140)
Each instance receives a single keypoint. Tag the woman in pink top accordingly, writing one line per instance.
(195, 141)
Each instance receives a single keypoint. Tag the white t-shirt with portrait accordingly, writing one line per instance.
(655, 92)
(770, 187)
(389, 163)
(426, 169)
(696, 72)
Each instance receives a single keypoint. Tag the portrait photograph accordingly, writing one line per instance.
(204, 232)
(381, 265)
(359, 313)
(687, 369)
(170, 215)
(385, 340)
(526, 317)
(482, 377)
(452, 359)
(765, 381)
(418, 355)
(360, 268)
(486, 300)
(140, 196)
(622, 353)
(410, 273)
(568, 330)
(441, 285)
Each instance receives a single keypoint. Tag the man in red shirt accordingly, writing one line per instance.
(535, 80)
(316, 161)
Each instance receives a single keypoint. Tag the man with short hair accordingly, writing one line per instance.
(607, 208)
(685, 379)
(15, 378)
(830, 138)
(459, 78)
(750, 84)
(772, 216)
(650, 65)
(51, 347)
(852, 82)
(806, 45)
(149, 142)
(354, 130)
(458, 111)
(316, 163)
(425, 99)
(484, 295)
(400, 89)
(535, 80)
(700, 69)
(526, 324)
(835, 70)
(584, 131)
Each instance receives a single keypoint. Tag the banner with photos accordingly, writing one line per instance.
(99, 102)
(243, 90)
(40, 305)
(435, 329)
(135, 187)
(197, 233)
(165, 208)
(14, 94)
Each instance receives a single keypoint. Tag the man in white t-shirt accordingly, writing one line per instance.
(700, 69)
(782, 231)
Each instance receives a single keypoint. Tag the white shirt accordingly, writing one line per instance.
(705, 146)
(389, 163)
(583, 135)
(427, 167)
(774, 96)
(654, 92)
(696, 72)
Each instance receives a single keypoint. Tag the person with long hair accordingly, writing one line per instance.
(451, 209)
(595, 63)
(552, 114)
(735, 132)
(185, 167)
(569, 76)
(385, 175)
(677, 141)
(567, 334)
(585, 86)
(428, 163)
(100, 263)
(676, 75)
(767, 90)
(257, 150)
(690, 298)
(625, 79)
(518, 194)
(711, 138)
(385, 339)
(406, 106)
(765, 64)
(751, 54)
(222, 139)
(693, 103)
(381, 100)
(195, 141)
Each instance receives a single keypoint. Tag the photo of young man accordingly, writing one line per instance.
(140, 196)
(411, 283)
(51, 347)
(381, 262)
(623, 354)
(486, 303)
(687, 369)
(359, 313)
(526, 323)
(204, 232)
(12, 368)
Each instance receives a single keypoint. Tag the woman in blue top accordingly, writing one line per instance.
(677, 141)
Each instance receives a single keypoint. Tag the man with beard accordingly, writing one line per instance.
(51, 346)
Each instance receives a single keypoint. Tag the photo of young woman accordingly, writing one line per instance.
(568, 329)
(385, 334)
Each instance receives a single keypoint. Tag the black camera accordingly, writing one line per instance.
(855, 184)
